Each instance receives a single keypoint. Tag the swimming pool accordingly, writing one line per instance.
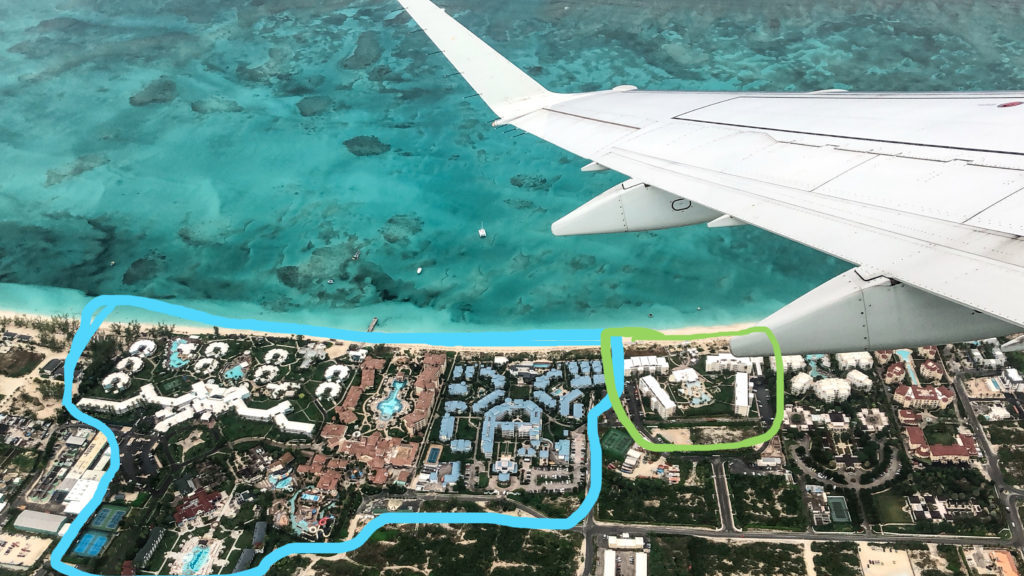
(905, 356)
(388, 407)
(812, 364)
(234, 373)
(195, 560)
(175, 361)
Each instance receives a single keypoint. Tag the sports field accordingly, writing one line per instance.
(615, 443)
(108, 517)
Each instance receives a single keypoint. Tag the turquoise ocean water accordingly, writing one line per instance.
(233, 156)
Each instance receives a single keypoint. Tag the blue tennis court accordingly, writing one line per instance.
(91, 544)
(108, 517)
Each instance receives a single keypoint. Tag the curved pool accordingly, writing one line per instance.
(390, 405)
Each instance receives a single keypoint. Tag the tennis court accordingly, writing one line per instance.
(108, 517)
(91, 544)
(615, 442)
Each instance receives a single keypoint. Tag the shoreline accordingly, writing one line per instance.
(201, 329)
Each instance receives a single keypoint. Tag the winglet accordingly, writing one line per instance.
(504, 87)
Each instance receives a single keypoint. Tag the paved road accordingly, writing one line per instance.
(1008, 495)
(722, 495)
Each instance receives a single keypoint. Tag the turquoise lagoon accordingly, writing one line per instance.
(234, 156)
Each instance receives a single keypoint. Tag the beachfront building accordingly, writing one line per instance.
(688, 375)
(205, 401)
(641, 365)
(661, 402)
(726, 362)
(741, 398)
(513, 419)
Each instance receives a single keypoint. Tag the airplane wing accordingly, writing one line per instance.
(923, 191)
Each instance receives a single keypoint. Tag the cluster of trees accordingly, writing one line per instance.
(625, 500)
(55, 332)
(690, 555)
(836, 558)
(764, 509)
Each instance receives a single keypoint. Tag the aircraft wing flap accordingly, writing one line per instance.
(945, 259)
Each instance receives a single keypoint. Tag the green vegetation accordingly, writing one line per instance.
(551, 505)
(471, 549)
(655, 501)
(836, 558)
(689, 556)
(940, 433)
(889, 507)
(767, 502)
(18, 362)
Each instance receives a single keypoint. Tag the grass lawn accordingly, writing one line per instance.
(941, 434)
(890, 508)
(615, 443)
(18, 362)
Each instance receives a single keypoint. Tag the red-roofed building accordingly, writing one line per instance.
(929, 352)
(883, 356)
(923, 396)
(962, 451)
(930, 370)
(907, 416)
(895, 373)
(198, 503)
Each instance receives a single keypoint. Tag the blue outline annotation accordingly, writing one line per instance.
(97, 310)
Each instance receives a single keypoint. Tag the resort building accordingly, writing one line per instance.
(661, 402)
(684, 375)
(1013, 380)
(800, 383)
(741, 397)
(726, 362)
(883, 356)
(923, 396)
(832, 390)
(789, 363)
(930, 370)
(860, 381)
(895, 373)
(872, 419)
(641, 365)
(859, 360)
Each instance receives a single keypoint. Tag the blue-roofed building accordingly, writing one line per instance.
(582, 382)
(598, 379)
(494, 422)
(457, 371)
(447, 428)
(486, 402)
(543, 454)
(497, 380)
(585, 368)
(544, 399)
(577, 410)
(458, 389)
(597, 367)
(506, 465)
(455, 406)
(526, 452)
(470, 371)
(460, 446)
(565, 402)
(453, 476)
(574, 368)
(563, 450)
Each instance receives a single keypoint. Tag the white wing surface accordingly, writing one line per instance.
(923, 191)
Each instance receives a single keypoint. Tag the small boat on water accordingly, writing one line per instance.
(481, 231)
(419, 270)
(356, 255)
